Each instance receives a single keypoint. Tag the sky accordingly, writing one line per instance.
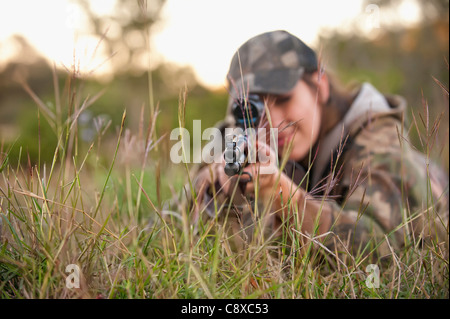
(202, 34)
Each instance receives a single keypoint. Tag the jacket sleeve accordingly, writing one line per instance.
(392, 197)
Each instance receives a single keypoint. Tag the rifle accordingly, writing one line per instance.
(236, 153)
(247, 114)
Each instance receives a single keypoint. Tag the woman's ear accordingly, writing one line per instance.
(323, 85)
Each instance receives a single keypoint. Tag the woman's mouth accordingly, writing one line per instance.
(283, 140)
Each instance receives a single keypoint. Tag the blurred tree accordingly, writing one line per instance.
(429, 9)
(400, 59)
(26, 64)
(126, 31)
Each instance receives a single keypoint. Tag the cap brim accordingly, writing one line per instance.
(278, 81)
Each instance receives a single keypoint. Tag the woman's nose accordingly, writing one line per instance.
(277, 116)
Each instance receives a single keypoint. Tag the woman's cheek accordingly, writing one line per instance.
(299, 148)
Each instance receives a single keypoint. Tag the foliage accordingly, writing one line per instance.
(88, 182)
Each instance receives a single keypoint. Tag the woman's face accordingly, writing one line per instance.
(300, 110)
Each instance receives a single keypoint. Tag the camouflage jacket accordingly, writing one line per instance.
(387, 194)
(383, 193)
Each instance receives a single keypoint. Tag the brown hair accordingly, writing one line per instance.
(339, 101)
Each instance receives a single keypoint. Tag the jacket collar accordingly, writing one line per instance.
(368, 104)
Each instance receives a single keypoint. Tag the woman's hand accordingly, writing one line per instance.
(264, 173)
(267, 177)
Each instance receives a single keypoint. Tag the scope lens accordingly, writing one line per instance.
(246, 114)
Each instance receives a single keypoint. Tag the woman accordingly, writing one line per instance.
(367, 188)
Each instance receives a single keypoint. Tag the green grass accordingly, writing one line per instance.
(102, 207)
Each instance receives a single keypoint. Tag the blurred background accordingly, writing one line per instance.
(144, 53)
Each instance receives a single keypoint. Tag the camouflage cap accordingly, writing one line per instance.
(271, 62)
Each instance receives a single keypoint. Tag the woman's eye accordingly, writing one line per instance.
(282, 99)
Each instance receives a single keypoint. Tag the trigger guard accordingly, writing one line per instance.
(250, 177)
